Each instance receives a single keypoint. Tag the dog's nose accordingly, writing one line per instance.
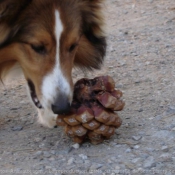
(61, 105)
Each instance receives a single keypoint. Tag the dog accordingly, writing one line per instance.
(46, 39)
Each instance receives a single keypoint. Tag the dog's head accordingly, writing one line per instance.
(48, 38)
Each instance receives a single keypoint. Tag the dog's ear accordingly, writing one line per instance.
(10, 11)
(92, 45)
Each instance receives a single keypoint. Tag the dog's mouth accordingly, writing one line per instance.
(33, 94)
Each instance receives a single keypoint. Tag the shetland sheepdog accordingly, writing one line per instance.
(47, 38)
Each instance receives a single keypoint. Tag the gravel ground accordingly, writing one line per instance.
(140, 57)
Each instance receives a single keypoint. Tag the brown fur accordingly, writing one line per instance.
(28, 24)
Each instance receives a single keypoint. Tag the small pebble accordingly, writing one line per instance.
(87, 162)
(38, 139)
(144, 155)
(136, 138)
(78, 161)
(150, 149)
(42, 145)
(165, 148)
(39, 167)
(48, 167)
(149, 162)
(109, 161)
(140, 110)
(119, 86)
(70, 161)
(52, 159)
(128, 150)
(53, 152)
(114, 159)
(17, 128)
(136, 160)
(13, 109)
(104, 168)
(47, 154)
(84, 157)
(38, 153)
(96, 166)
(117, 167)
(136, 147)
(166, 157)
(76, 146)
(171, 110)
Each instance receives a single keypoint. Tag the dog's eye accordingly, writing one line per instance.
(72, 47)
(39, 49)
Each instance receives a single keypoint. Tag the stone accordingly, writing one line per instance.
(70, 161)
(165, 148)
(140, 110)
(17, 128)
(136, 138)
(149, 162)
(150, 149)
(117, 167)
(76, 146)
(171, 110)
(46, 154)
(40, 167)
(38, 153)
(136, 160)
(144, 155)
(128, 150)
(48, 167)
(118, 86)
(136, 147)
(53, 152)
(96, 166)
(87, 162)
(166, 157)
(38, 139)
(52, 158)
(84, 157)
(109, 161)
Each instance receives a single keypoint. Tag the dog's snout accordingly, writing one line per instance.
(61, 105)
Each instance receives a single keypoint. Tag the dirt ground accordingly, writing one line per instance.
(141, 58)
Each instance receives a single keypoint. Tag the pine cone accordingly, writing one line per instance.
(92, 113)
